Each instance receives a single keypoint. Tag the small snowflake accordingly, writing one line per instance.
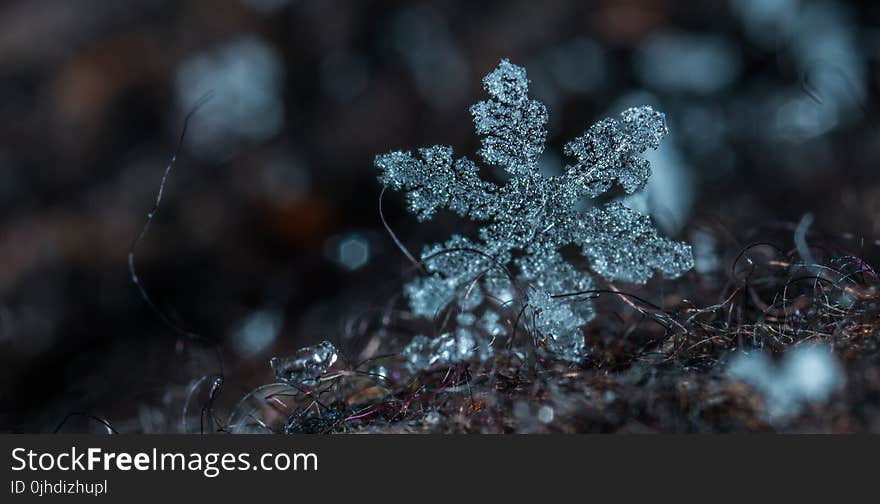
(531, 217)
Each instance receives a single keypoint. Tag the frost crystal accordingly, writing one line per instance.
(307, 365)
(424, 353)
(530, 218)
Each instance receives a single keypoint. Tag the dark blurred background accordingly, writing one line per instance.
(269, 236)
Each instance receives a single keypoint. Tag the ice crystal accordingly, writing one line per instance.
(425, 353)
(307, 365)
(529, 219)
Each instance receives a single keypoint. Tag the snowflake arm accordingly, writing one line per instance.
(559, 320)
(611, 150)
(454, 270)
(435, 182)
(622, 244)
(511, 125)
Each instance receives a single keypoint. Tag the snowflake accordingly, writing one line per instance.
(530, 218)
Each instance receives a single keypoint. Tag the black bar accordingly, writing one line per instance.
(424, 468)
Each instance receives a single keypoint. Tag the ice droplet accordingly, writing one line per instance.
(307, 365)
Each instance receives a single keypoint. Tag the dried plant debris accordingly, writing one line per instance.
(529, 219)
(781, 351)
